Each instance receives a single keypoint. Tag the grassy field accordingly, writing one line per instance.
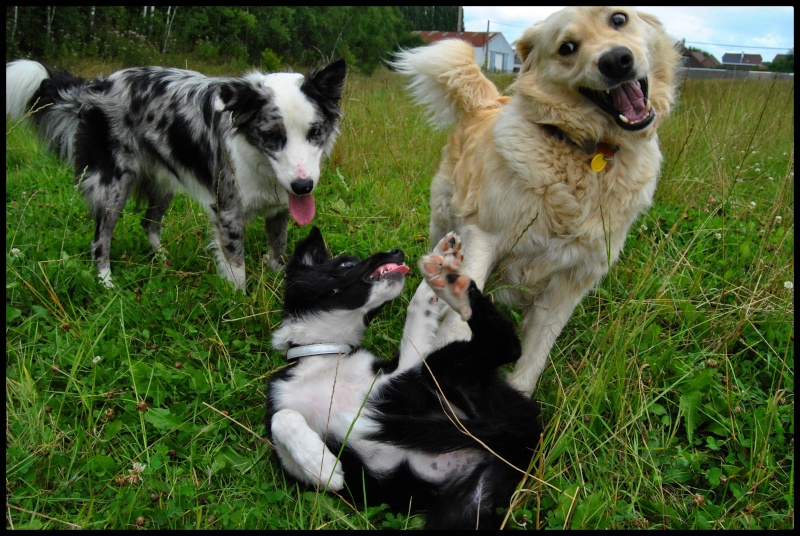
(669, 398)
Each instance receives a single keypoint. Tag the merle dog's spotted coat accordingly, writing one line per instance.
(239, 146)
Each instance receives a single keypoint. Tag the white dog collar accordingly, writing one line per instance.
(317, 349)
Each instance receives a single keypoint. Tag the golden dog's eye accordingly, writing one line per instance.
(619, 19)
(568, 48)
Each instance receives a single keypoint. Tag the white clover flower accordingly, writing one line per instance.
(788, 285)
(14, 252)
(96, 359)
(718, 236)
(136, 473)
(752, 204)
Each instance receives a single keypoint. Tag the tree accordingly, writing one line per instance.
(701, 51)
(302, 36)
(431, 18)
(783, 63)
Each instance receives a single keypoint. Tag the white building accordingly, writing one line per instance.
(500, 54)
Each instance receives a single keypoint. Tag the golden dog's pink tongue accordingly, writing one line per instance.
(629, 101)
(302, 208)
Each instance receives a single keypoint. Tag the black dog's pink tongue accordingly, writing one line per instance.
(302, 208)
(629, 100)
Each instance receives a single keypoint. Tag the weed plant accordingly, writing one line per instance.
(669, 397)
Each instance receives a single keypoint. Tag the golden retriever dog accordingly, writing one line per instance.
(544, 184)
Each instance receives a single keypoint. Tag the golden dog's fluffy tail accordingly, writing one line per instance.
(446, 80)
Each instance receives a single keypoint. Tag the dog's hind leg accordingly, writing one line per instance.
(276, 223)
(303, 453)
(115, 191)
(157, 205)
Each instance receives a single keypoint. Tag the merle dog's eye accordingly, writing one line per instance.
(568, 48)
(273, 138)
(314, 132)
(619, 19)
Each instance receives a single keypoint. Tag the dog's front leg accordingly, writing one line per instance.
(422, 319)
(276, 224)
(227, 215)
(479, 259)
(543, 322)
(302, 452)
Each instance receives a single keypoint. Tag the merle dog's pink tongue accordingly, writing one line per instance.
(302, 208)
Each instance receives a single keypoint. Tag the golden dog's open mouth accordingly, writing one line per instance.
(627, 103)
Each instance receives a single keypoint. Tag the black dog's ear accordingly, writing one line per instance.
(309, 251)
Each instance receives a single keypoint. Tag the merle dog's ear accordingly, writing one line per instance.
(242, 99)
(326, 85)
(309, 251)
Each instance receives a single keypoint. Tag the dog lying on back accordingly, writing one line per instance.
(439, 430)
(240, 147)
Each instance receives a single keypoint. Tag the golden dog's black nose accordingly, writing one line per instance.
(617, 63)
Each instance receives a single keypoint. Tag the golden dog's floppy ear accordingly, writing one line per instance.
(526, 44)
(665, 60)
(652, 20)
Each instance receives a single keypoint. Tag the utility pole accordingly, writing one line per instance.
(486, 48)
(460, 18)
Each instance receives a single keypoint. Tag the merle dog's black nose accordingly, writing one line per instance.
(396, 251)
(302, 186)
(617, 63)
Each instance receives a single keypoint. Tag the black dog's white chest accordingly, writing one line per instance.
(330, 391)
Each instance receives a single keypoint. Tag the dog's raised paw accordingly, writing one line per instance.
(450, 249)
(448, 285)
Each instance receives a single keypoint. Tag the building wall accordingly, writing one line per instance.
(501, 56)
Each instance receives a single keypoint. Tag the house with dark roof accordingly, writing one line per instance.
(695, 59)
(736, 60)
(492, 51)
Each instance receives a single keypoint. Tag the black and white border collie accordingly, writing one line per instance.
(240, 147)
(439, 430)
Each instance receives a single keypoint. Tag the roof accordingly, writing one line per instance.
(478, 39)
(696, 59)
(741, 58)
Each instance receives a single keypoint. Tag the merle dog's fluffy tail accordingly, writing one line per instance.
(33, 90)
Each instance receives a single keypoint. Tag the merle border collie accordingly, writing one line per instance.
(241, 147)
(439, 430)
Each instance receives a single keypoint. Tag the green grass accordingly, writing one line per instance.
(669, 397)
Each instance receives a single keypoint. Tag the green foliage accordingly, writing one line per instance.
(303, 36)
(428, 18)
(270, 62)
(669, 398)
(784, 63)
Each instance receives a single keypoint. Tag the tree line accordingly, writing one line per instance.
(269, 36)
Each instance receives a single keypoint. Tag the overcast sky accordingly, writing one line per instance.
(754, 30)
